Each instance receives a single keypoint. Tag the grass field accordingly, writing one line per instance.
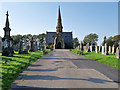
(12, 66)
(106, 59)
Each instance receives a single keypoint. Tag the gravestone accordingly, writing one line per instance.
(25, 48)
(87, 48)
(7, 49)
(103, 50)
(32, 45)
(15, 47)
(81, 46)
(36, 47)
(106, 49)
(117, 55)
(20, 47)
(97, 49)
(100, 49)
(110, 49)
(92, 48)
(0, 45)
(113, 49)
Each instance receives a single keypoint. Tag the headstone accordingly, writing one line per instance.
(25, 48)
(36, 47)
(0, 45)
(110, 49)
(32, 45)
(117, 55)
(87, 48)
(15, 47)
(81, 46)
(20, 47)
(97, 49)
(106, 49)
(113, 49)
(103, 50)
(100, 48)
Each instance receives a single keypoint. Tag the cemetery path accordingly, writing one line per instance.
(64, 69)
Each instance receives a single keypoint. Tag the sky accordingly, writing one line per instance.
(82, 18)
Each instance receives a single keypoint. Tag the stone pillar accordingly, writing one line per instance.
(106, 49)
(110, 49)
(113, 49)
(103, 50)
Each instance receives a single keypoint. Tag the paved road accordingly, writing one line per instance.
(64, 69)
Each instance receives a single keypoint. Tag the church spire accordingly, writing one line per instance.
(59, 22)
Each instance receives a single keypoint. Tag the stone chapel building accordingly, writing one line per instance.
(59, 39)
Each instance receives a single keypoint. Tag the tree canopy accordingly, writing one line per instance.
(91, 39)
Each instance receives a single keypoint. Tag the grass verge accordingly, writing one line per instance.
(106, 59)
(12, 66)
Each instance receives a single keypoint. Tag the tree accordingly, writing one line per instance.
(16, 39)
(110, 41)
(75, 42)
(116, 40)
(91, 39)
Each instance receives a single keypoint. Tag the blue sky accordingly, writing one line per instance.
(82, 18)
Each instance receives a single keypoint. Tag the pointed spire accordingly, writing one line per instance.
(7, 20)
(59, 22)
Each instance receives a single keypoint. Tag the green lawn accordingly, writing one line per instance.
(106, 59)
(12, 66)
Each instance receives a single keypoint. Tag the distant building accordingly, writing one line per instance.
(59, 39)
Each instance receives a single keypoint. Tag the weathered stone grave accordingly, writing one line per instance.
(32, 45)
(117, 55)
(97, 49)
(103, 50)
(113, 49)
(106, 49)
(110, 49)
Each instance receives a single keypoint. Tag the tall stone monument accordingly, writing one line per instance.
(7, 49)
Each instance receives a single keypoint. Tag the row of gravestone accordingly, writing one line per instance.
(105, 50)
(22, 47)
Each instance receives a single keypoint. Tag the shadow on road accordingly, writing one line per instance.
(47, 77)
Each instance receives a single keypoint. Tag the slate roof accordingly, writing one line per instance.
(67, 36)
